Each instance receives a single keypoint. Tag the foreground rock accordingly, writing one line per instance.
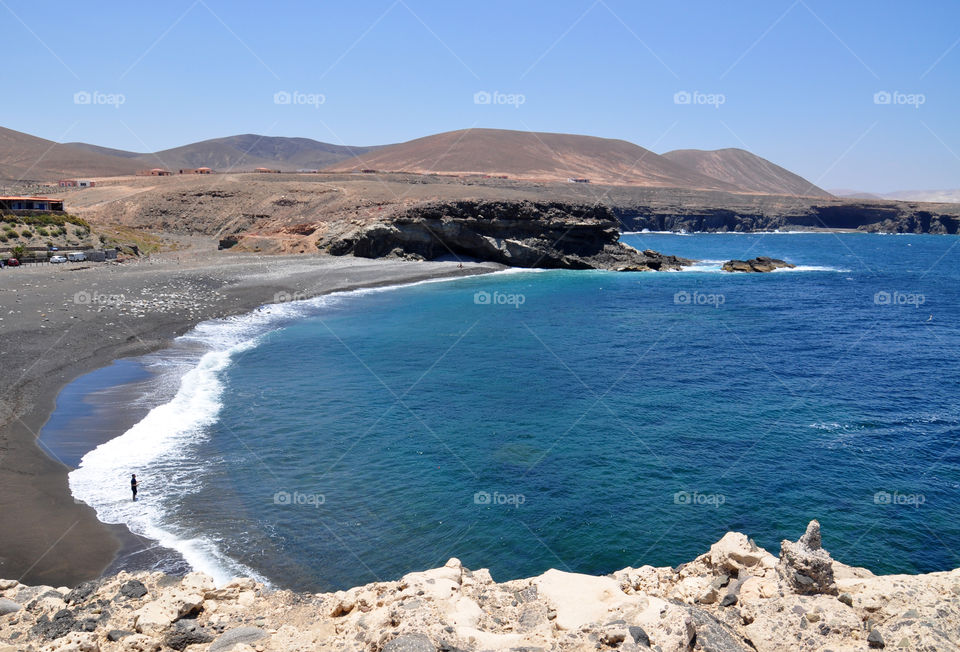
(550, 235)
(735, 598)
(758, 264)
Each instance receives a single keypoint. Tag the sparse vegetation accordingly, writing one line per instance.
(18, 251)
(43, 232)
(116, 235)
(46, 219)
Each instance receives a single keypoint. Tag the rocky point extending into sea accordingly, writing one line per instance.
(736, 597)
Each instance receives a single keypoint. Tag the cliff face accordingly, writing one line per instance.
(735, 598)
(565, 235)
(520, 234)
(770, 215)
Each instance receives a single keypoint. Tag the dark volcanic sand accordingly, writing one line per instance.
(58, 322)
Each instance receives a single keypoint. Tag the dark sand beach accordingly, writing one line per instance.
(60, 322)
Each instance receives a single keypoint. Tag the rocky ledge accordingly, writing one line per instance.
(758, 264)
(735, 598)
(552, 235)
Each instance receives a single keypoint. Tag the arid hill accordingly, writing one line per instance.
(747, 171)
(26, 157)
(242, 152)
(301, 212)
(535, 156)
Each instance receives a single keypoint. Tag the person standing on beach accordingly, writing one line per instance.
(133, 485)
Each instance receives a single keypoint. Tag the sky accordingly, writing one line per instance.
(851, 94)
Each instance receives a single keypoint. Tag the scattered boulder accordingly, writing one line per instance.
(81, 593)
(237, 636)
(62, 623)
(184, 633)
(115, 635)
(804, 567)
(875, 640)
(133, 589)
(639, 636)
(735, 552)
(758, 264)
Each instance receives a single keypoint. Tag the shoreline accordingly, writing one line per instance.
(61, 323)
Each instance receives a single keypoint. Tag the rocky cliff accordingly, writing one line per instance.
(516, 233)
(771, 213)
(735, 598)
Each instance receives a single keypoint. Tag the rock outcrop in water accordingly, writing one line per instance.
(551, 235)
(758, 264)
(735, 598)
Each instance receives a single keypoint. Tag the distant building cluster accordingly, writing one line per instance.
(76, 183)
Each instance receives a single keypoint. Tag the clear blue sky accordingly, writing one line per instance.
(797, 79)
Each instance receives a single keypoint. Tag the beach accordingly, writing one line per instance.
(58, 322)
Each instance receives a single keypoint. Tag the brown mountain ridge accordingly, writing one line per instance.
(532, 156)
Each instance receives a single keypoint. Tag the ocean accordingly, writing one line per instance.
(528, 420)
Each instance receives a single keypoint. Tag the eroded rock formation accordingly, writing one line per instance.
(520, 234)
(735, 598)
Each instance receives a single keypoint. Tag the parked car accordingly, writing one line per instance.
(76, 257)
(58, 259)
(13, 262)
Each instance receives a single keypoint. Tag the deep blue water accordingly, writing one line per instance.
(611, 419)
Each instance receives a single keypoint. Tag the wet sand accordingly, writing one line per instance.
(58, 322)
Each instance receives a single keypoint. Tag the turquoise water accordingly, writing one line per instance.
(586, 420)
